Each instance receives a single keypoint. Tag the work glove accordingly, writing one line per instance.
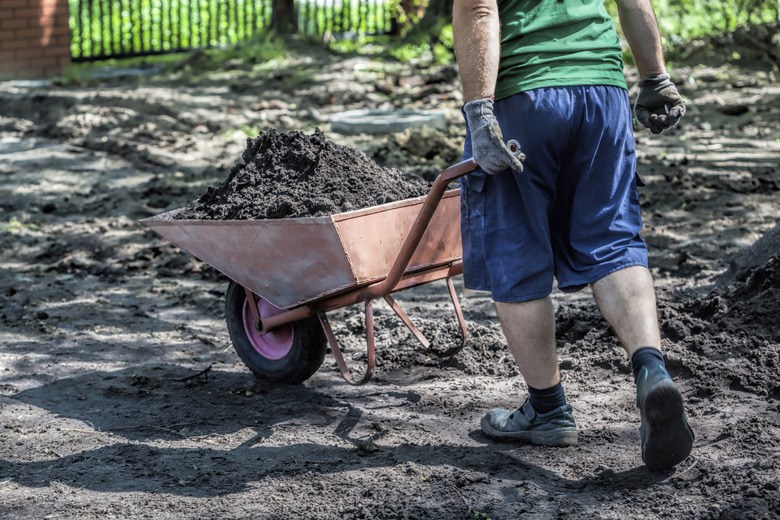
(487, 142)
(658, 105)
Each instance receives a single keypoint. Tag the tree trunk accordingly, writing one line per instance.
(437, 14)
(283, 18)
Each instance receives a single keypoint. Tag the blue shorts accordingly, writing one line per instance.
(573, 213)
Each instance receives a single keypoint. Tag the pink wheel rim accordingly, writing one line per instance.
(278, 342)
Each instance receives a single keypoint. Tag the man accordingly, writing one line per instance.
(549, 74)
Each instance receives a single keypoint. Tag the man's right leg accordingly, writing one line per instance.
(545, 418)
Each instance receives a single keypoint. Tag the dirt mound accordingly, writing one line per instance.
(423, 151)
(286, 175)
(730, 336)
(751, 257)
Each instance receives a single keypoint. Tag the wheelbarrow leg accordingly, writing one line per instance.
(252, 303)
(419, 335)
(459, 314)
(334, 346)
(407, 321)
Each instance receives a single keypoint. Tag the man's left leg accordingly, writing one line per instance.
(626, 298)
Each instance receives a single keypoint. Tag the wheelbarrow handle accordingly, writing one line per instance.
(469, 166)
(456, 171)
(418, 228)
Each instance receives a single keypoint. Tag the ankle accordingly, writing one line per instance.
(647, 357)
(547, 399)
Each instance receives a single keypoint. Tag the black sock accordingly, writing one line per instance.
(548, 399)
(644, 357)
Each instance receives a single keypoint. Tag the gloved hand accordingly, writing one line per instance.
(658, 105)
(487, 142)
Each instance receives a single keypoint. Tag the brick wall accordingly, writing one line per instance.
(34, 38)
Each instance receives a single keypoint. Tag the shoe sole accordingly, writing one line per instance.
(667, 439)
(565, 436)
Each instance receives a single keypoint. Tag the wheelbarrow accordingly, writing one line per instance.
(287, 274)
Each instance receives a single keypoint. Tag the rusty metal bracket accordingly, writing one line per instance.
(408, 322)
(250, 298)
(334, 347)
(461, 321)
(419, 335)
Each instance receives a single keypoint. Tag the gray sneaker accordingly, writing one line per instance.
(554, 428)
(666, 437)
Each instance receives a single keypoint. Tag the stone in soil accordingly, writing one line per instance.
(287, 175)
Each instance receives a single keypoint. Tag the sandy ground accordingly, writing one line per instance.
(105, 326)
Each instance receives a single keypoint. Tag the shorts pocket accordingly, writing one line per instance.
(475, 181)
(472, 203)
(634, 193)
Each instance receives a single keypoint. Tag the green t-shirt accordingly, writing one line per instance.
(553, 43)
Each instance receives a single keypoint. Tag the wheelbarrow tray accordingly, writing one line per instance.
(295, 261)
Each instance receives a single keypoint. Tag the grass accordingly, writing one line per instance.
(264, 52)
(438, 49)
(14, 226)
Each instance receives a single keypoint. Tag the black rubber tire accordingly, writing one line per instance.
(303, 360)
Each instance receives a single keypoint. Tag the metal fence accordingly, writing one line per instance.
(103, 29)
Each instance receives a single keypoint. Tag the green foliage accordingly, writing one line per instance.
(120, 27)
(434, 48)
(104, 28)
(444, 49)
(14, 226)
(264, 47)
(367, 45)
(244, 131)
(408, 51)
(686, 19)
(352, 17)
(446, 37)
(628, 58)
(680, 20)
(238, 30)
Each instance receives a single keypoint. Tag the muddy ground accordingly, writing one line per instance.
(105, 326)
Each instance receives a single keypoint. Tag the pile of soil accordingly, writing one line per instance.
(287, 175)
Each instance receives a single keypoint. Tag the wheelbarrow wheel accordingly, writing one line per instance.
(291, 353)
